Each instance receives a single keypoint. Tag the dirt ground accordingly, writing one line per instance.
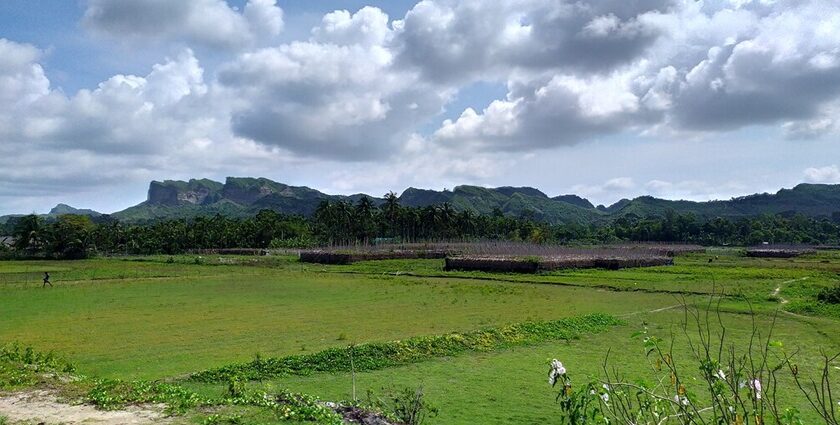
(44, 407)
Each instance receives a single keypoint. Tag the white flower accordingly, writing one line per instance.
(605, 397)
(606, 387)
(731, 409)
(557, 370)
(681, 400)
(721, 374)
(755, 385)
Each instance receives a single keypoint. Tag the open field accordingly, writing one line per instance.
(167, 317)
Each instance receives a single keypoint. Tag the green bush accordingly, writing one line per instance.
(830, 295)
(407, 405)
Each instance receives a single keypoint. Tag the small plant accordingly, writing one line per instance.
(236, 387)
(406, 405)
(218, 419)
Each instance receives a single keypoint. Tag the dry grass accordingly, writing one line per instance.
(779, 251)
(552, 256)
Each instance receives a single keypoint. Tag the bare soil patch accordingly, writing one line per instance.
(41, 406)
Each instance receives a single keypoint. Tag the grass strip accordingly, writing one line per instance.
(381, 355)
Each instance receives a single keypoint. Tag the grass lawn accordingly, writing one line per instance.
(159, 327)
(509, 386)
(162, 317)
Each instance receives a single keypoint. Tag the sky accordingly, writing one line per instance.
(607, 99)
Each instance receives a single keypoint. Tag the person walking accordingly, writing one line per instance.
(47, 280)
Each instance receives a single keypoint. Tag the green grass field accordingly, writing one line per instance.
(164, 318)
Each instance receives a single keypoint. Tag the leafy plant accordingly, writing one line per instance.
(218, 419)
(406, 405)
(738, 385)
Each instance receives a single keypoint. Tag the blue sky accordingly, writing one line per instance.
(608, 99)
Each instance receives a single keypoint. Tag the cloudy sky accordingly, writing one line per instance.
(603, 98)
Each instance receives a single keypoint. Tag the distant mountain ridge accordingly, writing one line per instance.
(245, 196)
(236, 197)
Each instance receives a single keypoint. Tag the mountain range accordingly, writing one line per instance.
(240, 197)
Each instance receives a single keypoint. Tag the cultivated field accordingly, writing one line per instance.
(196, 324)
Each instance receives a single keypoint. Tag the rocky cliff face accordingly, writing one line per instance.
(173, 193)
(246, 191)
(161, 194)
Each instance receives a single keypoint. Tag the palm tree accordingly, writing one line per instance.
(391, 209)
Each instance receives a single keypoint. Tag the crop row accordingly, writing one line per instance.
(381, 355)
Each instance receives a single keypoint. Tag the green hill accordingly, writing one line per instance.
(808, 199)
(245, 196)
(516, 201)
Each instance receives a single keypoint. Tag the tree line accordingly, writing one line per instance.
(363, 222)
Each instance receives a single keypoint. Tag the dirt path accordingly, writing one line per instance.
(671, 307)
(778, 289)
(43, 407)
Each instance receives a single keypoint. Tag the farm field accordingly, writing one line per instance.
(163, 318)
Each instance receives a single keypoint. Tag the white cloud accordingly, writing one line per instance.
(337, 96)
(452, 40)
(360, 89)
(22, 79)
(714, 70)
(369, 27)
(828, 174)
(210, 23)
(614, 188)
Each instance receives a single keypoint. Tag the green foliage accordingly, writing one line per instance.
(24, 366)
(297, 242)
(737, 384)
(344, 222)
(219, 419)
(830, 295)
(35, 360)
(375, 356)
(112, 394)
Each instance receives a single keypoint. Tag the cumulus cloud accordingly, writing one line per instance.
(210, 23)
(361, 86)
(368, 27)
(710, 70)
(335, 96)
(22, 79)
(455, 40)
(563, 110)
(127, 129)
(827, 174)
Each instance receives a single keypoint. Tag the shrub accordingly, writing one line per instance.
(830, 295)
(406, 405)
